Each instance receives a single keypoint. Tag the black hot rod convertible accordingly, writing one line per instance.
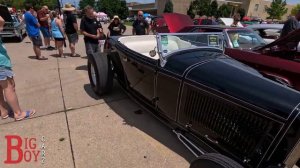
(223, 111)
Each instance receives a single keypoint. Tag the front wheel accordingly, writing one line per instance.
(100, 73)
(214, 160)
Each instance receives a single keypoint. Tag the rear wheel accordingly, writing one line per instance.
(100, 73)
(214, 160)
(20, 37)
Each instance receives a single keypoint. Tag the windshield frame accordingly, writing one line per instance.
(164, 57)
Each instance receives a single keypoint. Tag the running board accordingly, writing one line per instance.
(188, 144)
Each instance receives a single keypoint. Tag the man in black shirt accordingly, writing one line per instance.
(291, 24)
(71, 27)
(91, 29)
(140, 25)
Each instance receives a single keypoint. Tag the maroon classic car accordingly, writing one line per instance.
(279, 60)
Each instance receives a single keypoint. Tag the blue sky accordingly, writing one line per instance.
(149, 1)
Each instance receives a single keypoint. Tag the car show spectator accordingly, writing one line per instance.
(7, 86)
(71, 27)
(116, 28)
(236, 20)
(291, 24)
(43, 17)
(57, 32)
(33, 31)
(92, 30)
(140, 26)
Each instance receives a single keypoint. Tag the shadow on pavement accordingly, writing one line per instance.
(134, 116)
(82, 68)
(88, 89)
(32, 57)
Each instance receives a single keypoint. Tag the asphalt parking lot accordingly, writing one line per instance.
(77, 128)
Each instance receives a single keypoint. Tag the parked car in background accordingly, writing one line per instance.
(279, 60)
(227, 22)
(269, 32)
(13, 27)
(235, 37)
(200, 21)
(225, 112)
(158, 24)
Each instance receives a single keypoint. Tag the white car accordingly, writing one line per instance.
(269, 32)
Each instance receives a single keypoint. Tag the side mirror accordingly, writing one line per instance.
(152, 53)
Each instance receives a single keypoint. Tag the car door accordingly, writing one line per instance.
(140, 73)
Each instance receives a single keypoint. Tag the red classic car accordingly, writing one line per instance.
(278, 60)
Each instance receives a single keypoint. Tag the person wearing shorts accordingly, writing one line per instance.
(8, 94)
(33, 31)
(43, 17)
(57, 33)
(91, 29)
(71, 28)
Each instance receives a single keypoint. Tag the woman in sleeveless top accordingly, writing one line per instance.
(57, 32)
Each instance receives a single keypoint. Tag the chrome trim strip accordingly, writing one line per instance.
(180, 137)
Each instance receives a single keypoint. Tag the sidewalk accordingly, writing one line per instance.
(82, 130)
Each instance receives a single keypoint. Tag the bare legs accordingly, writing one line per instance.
(72, 48)
(37, 51)
(47, 41)
(8, 87)
(59, 46)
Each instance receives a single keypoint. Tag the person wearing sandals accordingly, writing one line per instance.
(57, 32)
(7, 86)
(33, 31)
(71, 28)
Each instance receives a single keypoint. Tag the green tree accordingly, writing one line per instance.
(202, 7)
(224, 11)
(242, 12)
(190, 11)
(277, 9)
(113, 7)
(168, 7)
(214, 8)
(84, 3)
(295, 9)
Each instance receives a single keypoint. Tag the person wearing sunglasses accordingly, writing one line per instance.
(140, 26)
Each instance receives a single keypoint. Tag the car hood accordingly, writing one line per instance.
(293, 37)
(4, 13)
(176, 21)
(244, 83)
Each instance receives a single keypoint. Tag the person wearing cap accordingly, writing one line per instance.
(140, 26)
(91, 28)
(43, 17)
(116, 28)
(291, 24)
(71, 27)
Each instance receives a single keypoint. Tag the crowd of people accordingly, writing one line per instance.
(53, 25)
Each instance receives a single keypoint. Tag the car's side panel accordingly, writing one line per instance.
(167, 92)
(140, 76)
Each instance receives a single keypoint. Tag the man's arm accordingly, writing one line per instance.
(2, 22)
(35, 21)
(82, 30)
(75, 25)
(147, 28)
(133, 28)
